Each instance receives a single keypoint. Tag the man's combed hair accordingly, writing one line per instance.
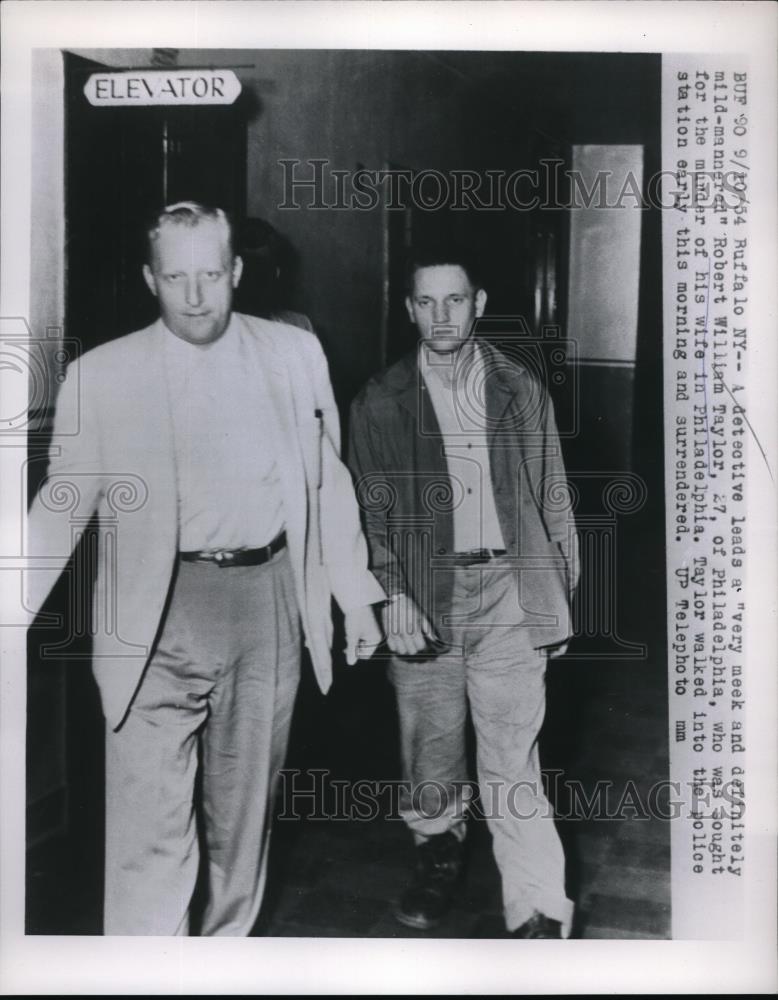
(189, 214)
(439, 255)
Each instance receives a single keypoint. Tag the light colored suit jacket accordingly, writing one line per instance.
(112, 452)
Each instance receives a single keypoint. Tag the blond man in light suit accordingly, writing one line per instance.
(239, 526)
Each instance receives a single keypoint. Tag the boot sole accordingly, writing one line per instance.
(417, 923)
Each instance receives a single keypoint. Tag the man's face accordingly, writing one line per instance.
(444, 305)
(192, 274)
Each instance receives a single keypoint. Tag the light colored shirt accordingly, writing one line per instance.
(229, 495)
(456, 386)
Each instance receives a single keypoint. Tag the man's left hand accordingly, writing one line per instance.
(363, 636)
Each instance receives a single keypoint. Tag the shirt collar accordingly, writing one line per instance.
(444, 373)
(183, 353)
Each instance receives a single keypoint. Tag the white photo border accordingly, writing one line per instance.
(122, 965)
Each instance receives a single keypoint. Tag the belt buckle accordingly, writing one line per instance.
(223, 558)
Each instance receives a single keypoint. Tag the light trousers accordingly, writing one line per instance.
(212, 715)
(490, 667)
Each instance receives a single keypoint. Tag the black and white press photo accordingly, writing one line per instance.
(387, 453)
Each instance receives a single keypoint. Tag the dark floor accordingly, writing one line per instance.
(337, 878)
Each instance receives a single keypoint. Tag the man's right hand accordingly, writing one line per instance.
(407, 629)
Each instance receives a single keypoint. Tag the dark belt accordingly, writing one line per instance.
(475, 556)
(238, 557)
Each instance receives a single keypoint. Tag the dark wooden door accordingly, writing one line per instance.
(122, 164)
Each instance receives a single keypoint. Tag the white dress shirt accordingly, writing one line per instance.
(229, 495)
(456, 386)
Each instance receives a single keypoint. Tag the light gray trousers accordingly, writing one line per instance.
(491, 667)
(216, 697)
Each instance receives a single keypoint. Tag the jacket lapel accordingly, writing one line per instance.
(425, 456)
(158, 446)
(502, 384)
(407, 384)
(277, 387)
(503, 412)
(414, 399)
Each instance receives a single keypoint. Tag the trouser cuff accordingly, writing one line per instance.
(555, 909)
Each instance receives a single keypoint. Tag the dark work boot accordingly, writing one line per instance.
(539, 926)
(438, 866)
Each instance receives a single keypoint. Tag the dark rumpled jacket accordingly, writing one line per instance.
(406, 496)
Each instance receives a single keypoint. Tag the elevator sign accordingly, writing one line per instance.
(142, 88)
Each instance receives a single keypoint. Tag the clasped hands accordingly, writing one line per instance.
(407, 629)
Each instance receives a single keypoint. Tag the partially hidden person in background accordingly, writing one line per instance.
(268, 266)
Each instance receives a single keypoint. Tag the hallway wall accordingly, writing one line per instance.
(354, 109)
(422, 110)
